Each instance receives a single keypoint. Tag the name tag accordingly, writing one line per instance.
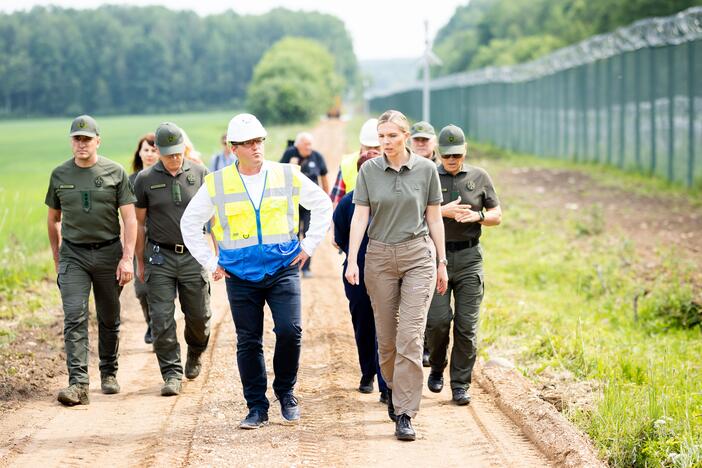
(444, 190)
(67, 186)
(157, 186)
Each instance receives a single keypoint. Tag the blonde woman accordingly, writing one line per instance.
(400, 192)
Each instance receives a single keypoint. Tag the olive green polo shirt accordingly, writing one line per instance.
(89, 199)
(397, 200)
(165, 197)
(474, 187)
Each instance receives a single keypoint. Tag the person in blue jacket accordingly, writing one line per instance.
(359, 302)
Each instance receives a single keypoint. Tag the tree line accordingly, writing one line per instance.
(506, 32)
(113, 59)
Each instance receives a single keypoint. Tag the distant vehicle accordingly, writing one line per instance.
(334, 111)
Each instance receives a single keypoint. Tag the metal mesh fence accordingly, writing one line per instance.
(632, 98)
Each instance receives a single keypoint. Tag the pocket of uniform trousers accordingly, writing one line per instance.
(62, 269)
(206, 280)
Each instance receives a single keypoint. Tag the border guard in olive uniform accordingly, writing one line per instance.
(163, 192)
(470, 202)
(86, 195)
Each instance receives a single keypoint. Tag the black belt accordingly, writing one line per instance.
(177, 248)
(92, 245)
(460, 245)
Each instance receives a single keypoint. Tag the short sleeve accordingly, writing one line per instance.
(287, 154)
(322, 165)
(360, 193)
(434, 196)
(142, 200)
(491, 200)
(52, 200)
(125, 195)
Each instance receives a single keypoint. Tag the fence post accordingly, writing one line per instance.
(610, 84)
(691, 113)
(652, 71)
(671, 111)
(596, 103)
(637, 115)
(622, 109)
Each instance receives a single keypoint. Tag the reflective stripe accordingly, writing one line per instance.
(229, 197)
(287, 171)
(230, 244)
(282, 191)
(218, 201)
(277, 238)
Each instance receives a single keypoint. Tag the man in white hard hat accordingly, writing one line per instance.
(254, 203)
(348, 169)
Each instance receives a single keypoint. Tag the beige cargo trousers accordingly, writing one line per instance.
(401, 279)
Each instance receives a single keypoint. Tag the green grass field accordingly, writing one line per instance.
(30, 149)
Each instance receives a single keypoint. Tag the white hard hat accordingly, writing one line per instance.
(369, 133)
(244, 127)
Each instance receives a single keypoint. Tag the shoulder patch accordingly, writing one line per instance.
(157, 186)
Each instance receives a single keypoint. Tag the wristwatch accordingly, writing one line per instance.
(444, 261)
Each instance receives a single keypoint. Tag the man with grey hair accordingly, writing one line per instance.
(423, 140)
(313, 166)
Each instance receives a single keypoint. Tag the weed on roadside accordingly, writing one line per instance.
(563, 293)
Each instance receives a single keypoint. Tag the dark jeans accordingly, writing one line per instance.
(364, 332)
(304, 226)
(247, 298)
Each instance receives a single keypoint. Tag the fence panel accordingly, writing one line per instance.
(631, 99)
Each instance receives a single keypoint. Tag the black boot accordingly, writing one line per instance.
(403, 428)
(391, 407)
(435, 382)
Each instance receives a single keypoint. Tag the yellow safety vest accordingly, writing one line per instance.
(349, 170)
(238, 224)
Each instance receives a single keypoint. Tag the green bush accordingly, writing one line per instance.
(294, 81)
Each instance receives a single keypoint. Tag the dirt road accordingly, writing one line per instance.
(339, 426)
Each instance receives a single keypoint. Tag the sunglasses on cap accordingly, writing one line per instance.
(454, 156)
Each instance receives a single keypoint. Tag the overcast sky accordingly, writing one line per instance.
(379, 28)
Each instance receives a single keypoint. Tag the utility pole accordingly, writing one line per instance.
(428, 59)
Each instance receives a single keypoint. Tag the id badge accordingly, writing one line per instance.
(156, 258)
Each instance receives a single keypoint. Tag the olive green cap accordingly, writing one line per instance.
(84, 125)
(169, 139)
(422, 129)
(452, 140)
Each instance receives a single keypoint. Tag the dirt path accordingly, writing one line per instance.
(659, 227)
(339, 426)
